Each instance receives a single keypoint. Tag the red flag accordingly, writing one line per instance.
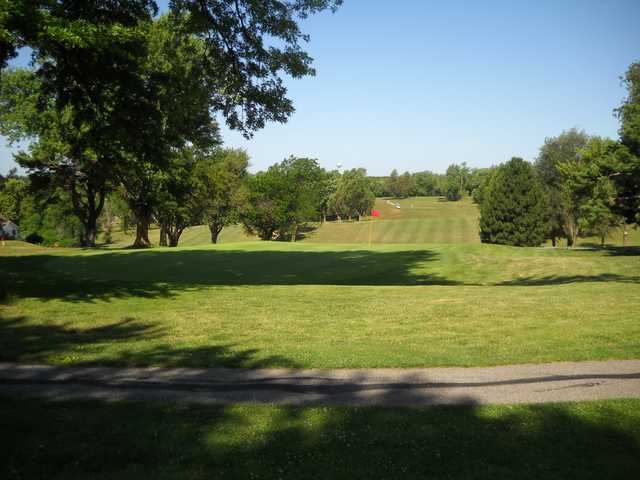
(375, 213)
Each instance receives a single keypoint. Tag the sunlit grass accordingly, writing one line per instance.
(319, 305)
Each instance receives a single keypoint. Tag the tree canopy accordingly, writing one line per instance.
(515, 210)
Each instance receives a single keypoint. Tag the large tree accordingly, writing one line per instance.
(286, 196)
(563, 210)
(219, 188)
(58, 154)
(353, 196)
(176, 73)
(514, 210)
(625, 170)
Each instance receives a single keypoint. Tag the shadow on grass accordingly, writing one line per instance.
(565, 279)
(23, 342)
(162, 273)
(94, 439)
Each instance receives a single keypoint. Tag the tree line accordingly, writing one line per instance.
(458, 181)
(580, 185)
(212, 188)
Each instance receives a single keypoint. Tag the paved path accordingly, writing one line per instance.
(552, 382)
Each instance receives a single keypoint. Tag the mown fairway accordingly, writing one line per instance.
(418, 220)
(319, 305)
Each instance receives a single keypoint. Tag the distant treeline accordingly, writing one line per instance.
(459, 180)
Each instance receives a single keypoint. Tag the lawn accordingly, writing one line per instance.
(80, 440)
(305, 304)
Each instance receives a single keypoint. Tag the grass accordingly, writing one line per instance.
(257, 304)
(122, 440)
(418, 220)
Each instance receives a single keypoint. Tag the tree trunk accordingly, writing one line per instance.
(602, 240)
(163, 235)
(88, 213)
(90, 234)
(295, 232)
(625, 235)
(174, 239)
(553, 241)
(142, 234)
(215, 230)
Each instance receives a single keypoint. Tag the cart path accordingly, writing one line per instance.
(530, 383)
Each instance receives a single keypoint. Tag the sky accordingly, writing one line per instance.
(418, 85)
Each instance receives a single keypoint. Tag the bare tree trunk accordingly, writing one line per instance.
(553, 241)
(295, 232)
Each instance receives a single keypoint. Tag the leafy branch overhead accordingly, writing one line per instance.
(250, 46)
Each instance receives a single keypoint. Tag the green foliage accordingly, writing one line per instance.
(286, 196)
(563, 211)
(625, 170)
(176, 206)
(429, 184)
(50, 219)
(479, 183)
(353, 196)
(515, 209)
(400, 186)
(457, 178)
(12, 193)
(219, 188)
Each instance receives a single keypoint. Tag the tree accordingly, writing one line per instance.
(406, 185)
(481, 178)
(514, 210)
(353, 196)
(184, 99)
(428, 184)
(59, 155)
(457, 177)
(624, 169)
(283, 198)
(590, 189)
(176, 206)
(566, 147)
(220, 190)
(391, 184)
(13, 191)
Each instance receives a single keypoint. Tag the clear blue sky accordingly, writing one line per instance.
(418, 85)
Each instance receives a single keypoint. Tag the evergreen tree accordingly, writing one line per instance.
(514, 210)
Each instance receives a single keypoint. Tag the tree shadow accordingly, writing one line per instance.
(566, 279)
(21, 341)
(97, 439)
(163, 273)
(623, 251)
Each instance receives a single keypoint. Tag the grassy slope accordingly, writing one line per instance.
(318, 305)
(419, 220)
(80, 440)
